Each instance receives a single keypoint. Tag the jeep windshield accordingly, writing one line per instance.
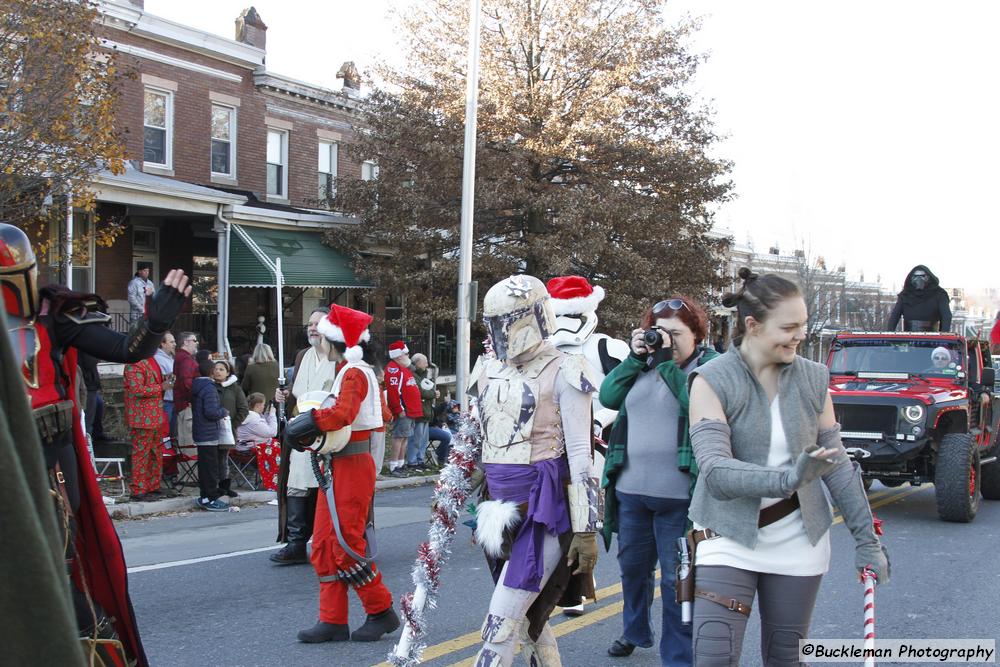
(890, 358)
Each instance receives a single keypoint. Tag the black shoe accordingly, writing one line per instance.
(376, 625)
(621, 648)
(140, 497)
(293, 553)
(226, 487)
(399, 472)
(325, 632)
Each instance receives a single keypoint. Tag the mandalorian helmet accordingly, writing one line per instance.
(18, 273)
(518, 315)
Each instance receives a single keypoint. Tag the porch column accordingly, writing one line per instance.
(221, 228)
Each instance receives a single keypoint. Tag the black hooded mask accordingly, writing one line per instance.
(911, 296)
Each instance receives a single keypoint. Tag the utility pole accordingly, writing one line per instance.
(465, 293)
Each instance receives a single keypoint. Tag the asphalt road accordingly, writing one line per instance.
(206, 594)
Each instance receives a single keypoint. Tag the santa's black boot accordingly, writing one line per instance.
(325, 632)
(376, 625)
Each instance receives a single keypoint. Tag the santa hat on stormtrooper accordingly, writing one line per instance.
(398, 349)
(573, 295)
(348, 326)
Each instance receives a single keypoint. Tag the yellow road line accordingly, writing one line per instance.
(891, 498)
(575, 624)
(473, 638)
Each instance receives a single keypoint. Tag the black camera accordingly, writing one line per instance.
(652, 338)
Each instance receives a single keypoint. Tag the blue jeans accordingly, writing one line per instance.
(648, 529)
(443, 437)
(416, 446)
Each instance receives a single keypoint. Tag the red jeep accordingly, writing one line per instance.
(919, 407)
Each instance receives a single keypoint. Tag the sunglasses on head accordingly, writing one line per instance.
(672, 304)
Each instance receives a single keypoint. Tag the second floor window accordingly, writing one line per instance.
(277, 163)
(327, 169)
(157, 121)
(369, 170)
(223, 140)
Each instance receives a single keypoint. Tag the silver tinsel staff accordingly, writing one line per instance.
(452, 490)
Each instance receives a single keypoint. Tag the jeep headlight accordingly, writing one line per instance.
(913, 413)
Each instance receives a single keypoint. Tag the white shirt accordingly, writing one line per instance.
(782, 547)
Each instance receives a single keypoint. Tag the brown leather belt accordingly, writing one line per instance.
(766, 517)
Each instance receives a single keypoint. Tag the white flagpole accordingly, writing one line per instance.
(463, 335)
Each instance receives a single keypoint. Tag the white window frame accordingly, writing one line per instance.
(233, 120)
(168, 151)
(284, 164)
(332, 149)
(372, 167)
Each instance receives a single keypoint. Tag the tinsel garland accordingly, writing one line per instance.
(450, 494)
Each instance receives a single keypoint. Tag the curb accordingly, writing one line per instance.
(185, 503)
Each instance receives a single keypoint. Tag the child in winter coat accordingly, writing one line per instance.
(235, 402)
(206, 411)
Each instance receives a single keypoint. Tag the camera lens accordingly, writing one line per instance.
(652, 338)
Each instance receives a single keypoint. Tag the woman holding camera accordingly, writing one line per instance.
(649, 469)
(767, 443)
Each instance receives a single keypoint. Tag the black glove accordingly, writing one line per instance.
(163, 308)
(302, 431)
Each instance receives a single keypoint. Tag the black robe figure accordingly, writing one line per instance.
(923, 304)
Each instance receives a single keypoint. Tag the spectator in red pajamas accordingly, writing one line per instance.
(358, 410)
(145, 420)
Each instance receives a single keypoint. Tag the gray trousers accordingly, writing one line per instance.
(785, 605)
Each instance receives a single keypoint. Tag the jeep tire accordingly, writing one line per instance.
(957, 478)
(989, 480)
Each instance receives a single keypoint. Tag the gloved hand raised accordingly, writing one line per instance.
(874, 556)
(812, 463)
(584, 549)
(166, 304)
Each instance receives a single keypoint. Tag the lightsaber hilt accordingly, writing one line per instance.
(684, 585)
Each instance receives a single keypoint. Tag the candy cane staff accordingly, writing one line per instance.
(538, 527)
(868, 580)
(574, 303)
(337, 427)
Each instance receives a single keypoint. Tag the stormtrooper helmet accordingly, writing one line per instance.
(518, 315)
(574, 302)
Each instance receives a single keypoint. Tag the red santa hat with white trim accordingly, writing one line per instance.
(573, 295)
(398, 349)
(348, 326)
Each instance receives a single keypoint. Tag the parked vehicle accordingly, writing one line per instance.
(920, 407)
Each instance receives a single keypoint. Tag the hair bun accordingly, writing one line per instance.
(746, 275)
(730, 299)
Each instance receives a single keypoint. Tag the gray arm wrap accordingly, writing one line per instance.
(727, 477)
(848, 493)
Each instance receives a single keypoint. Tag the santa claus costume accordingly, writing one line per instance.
(338, 430)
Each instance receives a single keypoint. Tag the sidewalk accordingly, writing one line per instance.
(185, 502)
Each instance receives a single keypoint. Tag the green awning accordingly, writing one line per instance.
(305, 261)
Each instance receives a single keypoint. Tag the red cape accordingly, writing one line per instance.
(99, 552)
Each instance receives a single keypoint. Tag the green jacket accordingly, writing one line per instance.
(614, 389)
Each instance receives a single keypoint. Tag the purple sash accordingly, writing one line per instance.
(542, 485)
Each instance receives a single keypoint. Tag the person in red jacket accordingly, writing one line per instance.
(340, 535)
(185, 371)
(404, 403)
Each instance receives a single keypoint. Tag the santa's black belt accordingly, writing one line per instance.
(359, 447)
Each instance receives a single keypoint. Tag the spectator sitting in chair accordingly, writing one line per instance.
(259, 427)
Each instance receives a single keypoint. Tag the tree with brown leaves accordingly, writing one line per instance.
(592, 157)
(59, 89)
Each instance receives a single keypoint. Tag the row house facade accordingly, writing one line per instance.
(228, 167)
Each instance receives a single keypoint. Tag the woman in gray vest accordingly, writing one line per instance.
(767, 444)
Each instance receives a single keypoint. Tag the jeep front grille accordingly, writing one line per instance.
(867, 418)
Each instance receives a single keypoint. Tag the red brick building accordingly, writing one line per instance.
(228, 164)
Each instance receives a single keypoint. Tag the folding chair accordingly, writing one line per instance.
(245, 464)
(187, 467)
(110, 474)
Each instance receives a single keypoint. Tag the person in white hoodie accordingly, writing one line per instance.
(259, 426)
